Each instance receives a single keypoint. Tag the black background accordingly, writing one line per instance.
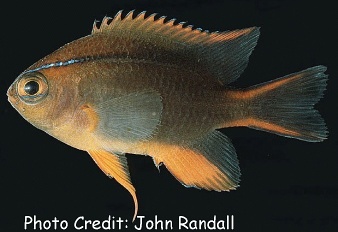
(287, 185)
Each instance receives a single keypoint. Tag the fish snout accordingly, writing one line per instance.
(11, 94)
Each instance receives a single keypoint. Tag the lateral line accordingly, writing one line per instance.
(58, 64)
(86, 59)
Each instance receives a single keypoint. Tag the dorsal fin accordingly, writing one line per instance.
(158, 27)
(225, 53)
(219, 55)
(151, 26)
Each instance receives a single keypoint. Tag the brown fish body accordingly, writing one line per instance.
(145, 86)
(189, 110)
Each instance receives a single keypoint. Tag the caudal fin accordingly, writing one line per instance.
(285, 106)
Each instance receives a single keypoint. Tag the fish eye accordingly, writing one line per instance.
(32, 87)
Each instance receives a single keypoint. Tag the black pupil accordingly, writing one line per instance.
(31, 87)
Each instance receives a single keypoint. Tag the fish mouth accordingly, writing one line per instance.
(11, 96)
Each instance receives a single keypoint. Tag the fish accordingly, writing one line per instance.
(146, 85)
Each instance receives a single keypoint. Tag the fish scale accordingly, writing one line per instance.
(174, 105)
(149, 86)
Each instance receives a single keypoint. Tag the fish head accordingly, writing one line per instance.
(34, 96)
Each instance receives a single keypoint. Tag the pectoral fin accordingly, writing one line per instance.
(131, 117)
(115, 166)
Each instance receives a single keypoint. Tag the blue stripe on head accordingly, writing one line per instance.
(57, 64)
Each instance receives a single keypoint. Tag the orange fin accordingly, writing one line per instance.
(284, 106)
(115, 166)
(210, 163)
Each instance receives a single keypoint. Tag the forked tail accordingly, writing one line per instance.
(285, 106)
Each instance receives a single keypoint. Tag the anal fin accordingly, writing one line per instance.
(209, 163)
(115, 166)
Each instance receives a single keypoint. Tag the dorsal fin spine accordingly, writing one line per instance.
(171, 22)
(117, 17)
(227, 52)
(141, 15)
(161, 19)
(152, 17)
(95, 28)
(129, 16)
(106, 20)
